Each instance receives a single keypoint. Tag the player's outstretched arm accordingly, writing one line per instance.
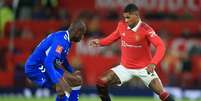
(107, 40)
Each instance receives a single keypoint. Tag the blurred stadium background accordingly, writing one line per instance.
(23, 23)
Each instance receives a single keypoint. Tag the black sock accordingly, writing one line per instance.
(103, 93)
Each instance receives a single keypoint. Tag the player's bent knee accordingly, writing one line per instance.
(76, 82)
(101, 82)
(74, 79)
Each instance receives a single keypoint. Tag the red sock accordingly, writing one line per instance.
(164, 96)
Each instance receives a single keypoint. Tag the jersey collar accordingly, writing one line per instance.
(136, 27)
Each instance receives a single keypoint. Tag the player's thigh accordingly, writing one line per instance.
(156, 86)
(118, 75)
(108, 77)
(146, 77)
(48, 82)
(37, 77)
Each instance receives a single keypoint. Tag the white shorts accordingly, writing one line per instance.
(126, 74)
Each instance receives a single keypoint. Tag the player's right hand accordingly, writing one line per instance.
(94, 43)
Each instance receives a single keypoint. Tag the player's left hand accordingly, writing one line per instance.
(150, 68)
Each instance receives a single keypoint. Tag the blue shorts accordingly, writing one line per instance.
(38, 75)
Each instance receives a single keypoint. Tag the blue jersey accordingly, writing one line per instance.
(51, 50)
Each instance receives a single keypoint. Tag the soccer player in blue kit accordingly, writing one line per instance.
(48, 67)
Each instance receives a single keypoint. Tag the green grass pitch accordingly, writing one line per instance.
(82, 98)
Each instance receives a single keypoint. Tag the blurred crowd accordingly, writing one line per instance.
(183, 53)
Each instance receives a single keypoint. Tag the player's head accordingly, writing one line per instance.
(131, 14)
(77, 30)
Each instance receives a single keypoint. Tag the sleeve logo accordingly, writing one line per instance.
(152, 34)
(59, 49)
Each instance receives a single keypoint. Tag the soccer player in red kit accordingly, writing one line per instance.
(136, 58)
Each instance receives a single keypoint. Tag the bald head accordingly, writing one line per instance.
(77, 29)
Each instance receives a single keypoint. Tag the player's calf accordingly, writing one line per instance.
(164, 96)
(102, 88)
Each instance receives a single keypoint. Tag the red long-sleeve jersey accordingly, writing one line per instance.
(135, 45)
